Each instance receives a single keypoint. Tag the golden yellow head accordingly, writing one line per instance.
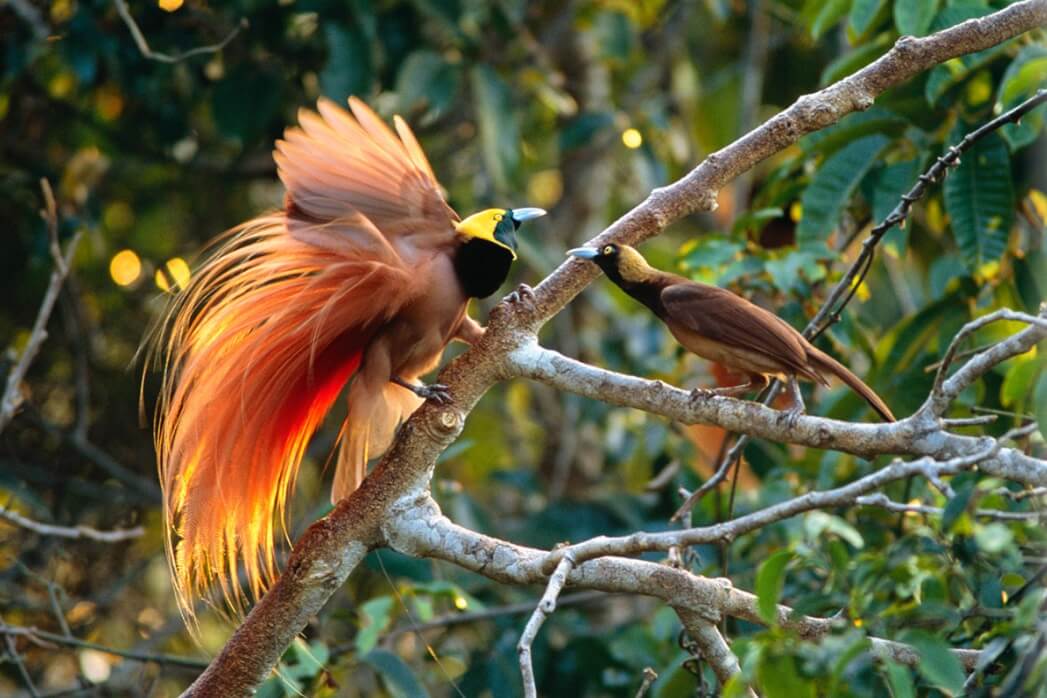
(497, 225)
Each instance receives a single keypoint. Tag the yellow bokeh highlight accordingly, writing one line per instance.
(175, 270)
(1039, 203)
(545, 188)
(169, 5)
(125, 267)
(987, 271)
(858, 622)
(461, 603)
(632, 138)
(796, 211)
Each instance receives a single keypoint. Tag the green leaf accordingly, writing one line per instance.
(866, 15)
(1040, 402)
(1026, 74)
(779, 678)
(428, 80)
(937, 663)
(348, 68)
(818, 523)
(956, 506)
(1019, 381)
(858, 58)
(899, 680)
(397, 676)
(375, 616)
(828, 14)
(952, 72)
(914, 17)
(831, 188)
(979, 198)
(499, 129)
(889, 183)
(770, 579)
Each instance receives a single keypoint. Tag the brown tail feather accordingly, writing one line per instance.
(823, 361)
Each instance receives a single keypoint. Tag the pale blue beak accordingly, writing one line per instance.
(519, 215)
(583, 253)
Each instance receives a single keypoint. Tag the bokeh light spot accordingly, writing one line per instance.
(125, 267)
(175, 272)
(632, 138)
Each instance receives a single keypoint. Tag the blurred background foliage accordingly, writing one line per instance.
(581, 107)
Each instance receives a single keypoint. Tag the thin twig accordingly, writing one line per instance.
(143, 45)
(12, 398)
(545, 608)
(649, 677)
(73, 532)
(879, 499)
(12, 651)
(42, 637)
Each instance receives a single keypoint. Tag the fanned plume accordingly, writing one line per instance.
(258, 347)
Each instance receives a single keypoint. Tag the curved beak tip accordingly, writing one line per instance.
(583, 253)
(525, 214)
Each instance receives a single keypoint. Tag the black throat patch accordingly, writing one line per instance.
(482, 267)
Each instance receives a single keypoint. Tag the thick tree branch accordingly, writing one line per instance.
(397, 489)
(425, 532)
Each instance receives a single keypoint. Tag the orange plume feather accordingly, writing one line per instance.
(268, 332)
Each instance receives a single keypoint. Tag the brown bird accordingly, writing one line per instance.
(720, 326)
(362, 277)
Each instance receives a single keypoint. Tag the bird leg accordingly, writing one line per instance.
(523, 292)
(469, 331)
(437, 392)
(755, 383)
(798, 407)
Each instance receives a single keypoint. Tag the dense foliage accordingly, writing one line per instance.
(582, 108)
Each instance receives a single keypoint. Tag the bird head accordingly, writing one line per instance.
(497, 225)
(619, 262)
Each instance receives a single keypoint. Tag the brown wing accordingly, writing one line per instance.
(339, 167)
(729, 319)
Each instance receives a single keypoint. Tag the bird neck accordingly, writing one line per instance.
(643, 282)
(481, 266)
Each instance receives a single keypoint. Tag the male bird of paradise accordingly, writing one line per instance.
(362, 278)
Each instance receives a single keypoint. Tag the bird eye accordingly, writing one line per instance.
(609, 249)
(498, 216)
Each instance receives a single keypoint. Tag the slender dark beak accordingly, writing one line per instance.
(519, 215)
(584, 253)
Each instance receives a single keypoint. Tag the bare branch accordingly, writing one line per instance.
(425, 532)
(12, 398)
(545, 608)
(712, 645)
(143, 45)
(73, 532)
(45, 638)
(879, 499)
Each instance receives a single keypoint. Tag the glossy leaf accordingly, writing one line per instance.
(1026, 74)
(979, 198)
(914, 17)
(866, 15)
(937, 663)
(770, 578)
(831, 188)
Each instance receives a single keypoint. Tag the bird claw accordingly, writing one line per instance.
(791, 416)
(701, 394)
(437, 392)
(523, 292)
